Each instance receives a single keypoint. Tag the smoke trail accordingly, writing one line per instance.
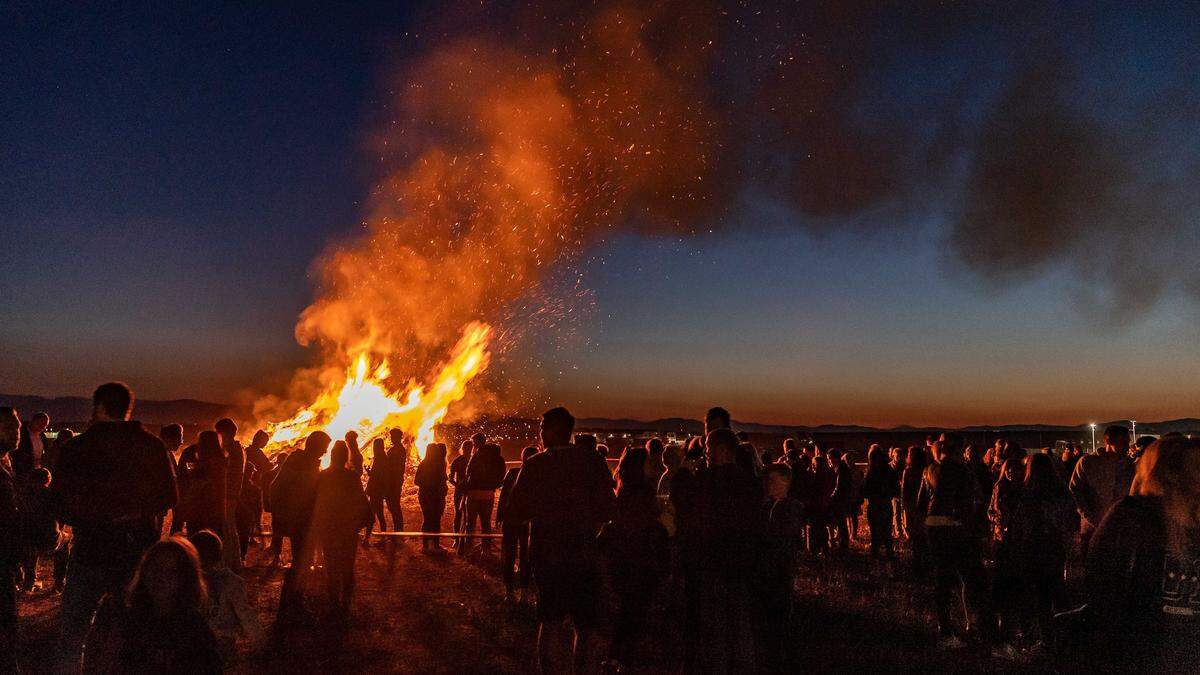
(530, 132)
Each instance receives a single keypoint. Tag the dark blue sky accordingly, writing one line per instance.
(168, 178)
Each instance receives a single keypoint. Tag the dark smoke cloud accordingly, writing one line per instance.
(1028, 130)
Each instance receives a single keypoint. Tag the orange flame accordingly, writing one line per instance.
(364, 403)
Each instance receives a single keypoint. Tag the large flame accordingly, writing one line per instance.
(364, 403)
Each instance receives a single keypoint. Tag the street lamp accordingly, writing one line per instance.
(1093, 427)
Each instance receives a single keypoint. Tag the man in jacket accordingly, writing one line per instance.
(34, 448)
(1101, 480)
(485, 475)
(565, 492)
(235, 469)
(113, 484)
(293, 497)
(950, 499)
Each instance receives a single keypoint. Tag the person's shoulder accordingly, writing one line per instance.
(137, 432)
(1136, 506)
(539, 460)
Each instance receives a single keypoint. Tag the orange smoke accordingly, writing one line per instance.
(505, 165)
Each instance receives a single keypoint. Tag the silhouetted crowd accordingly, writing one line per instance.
(1055, 554)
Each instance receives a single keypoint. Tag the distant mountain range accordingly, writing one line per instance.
(77, 409)
(691, 426)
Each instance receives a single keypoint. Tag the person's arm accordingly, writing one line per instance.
(505, 494)
(603, 495)
(924, 495)
(521, 501)
(1081, 492)
(165, 489)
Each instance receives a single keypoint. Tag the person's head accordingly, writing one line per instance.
(227, 428)
(631, 469)
(915, 457)
(1116, 439)
(586, 441)
(557, 426)
(260, 440)
(721, 446)
(167, 581)
(528, 452)
(172, 436)
(672, 457)
(1139, 446)
(1168, 470)
(1040, 476)
(208, 443)
(1011, 469)
(10, 430)
(479, 440)
(208, 547)
(777, 480)
(377, 448)
(112, 402)
(351, 439)
(716, 418)
(39, 423)
(436, 452)
(654, 448)
(833, 455)
(316, 444)
(466, 448)
(949, 446)
(40, 476)
(64, 436)
(789, 446)
(397, 436)
(877, 458)
(894, 454)
(339, 456)
(973, 453)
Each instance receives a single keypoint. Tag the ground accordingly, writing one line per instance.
(438, 613)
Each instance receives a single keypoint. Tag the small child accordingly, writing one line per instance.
(42, 534)
(228, 613)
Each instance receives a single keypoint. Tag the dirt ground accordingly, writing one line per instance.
(438, 613)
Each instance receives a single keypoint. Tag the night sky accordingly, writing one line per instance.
(169, 177)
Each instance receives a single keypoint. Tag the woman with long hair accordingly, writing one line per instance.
(634, 545)
(914, 523)
(207, 486)
(1037, 540)
(159, 626)
(1141, 572)
(431, 492)
(380, 476)
(879, 486)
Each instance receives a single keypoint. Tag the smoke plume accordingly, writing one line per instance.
(526, 133)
